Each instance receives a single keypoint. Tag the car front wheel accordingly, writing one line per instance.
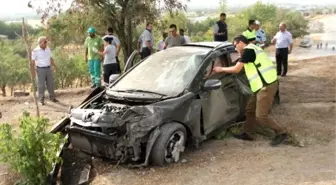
(169, 145)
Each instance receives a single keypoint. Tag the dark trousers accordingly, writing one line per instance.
(109, 69)
(145, 52)
(281, 56)
(118, 66)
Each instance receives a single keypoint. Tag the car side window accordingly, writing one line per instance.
(235, 56)
(219, 61)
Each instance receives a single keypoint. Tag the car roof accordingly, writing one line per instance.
(214, 44)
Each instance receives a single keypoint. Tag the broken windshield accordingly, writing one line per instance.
(166, 72)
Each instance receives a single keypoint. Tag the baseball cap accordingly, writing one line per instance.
(257, 22)
(91, 30)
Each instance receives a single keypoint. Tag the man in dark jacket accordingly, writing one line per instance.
(220, 29)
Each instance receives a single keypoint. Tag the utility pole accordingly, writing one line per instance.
(31, 68)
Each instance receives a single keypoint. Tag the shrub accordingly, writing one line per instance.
(32, 152)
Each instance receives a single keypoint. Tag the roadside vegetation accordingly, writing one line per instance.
(32, 151)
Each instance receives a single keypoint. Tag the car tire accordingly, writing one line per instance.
(169, 144)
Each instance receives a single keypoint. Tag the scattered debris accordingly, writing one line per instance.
(85, 174)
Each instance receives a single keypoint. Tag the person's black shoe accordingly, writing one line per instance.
(93, 86)
(278, 139)
(283, 75)
(41, 103)
(244, 136)
(54, 100)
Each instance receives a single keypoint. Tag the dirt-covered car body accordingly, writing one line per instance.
(174, 88)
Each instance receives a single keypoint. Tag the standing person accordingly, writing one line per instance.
(110, 65)
(186, 38)
(250, 32)
(262, 76)
(284, 44)
(174, 39)
(220, 30)
(326, 45)
(161, 44)
(260, 35)
(93, 42)
(116, 43)
(42, 60)
(147, 41)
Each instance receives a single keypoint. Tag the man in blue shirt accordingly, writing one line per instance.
(260, 35)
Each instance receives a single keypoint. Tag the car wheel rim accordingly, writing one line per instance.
(174, 147)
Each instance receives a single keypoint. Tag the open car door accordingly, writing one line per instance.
(219, 107)
(132, 60)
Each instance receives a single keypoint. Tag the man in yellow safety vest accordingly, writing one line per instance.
(250, 32)
(262, 76)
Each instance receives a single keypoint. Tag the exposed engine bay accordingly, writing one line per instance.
(113, 130)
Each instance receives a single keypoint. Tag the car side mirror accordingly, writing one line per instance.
(212, 84)
(113, 78)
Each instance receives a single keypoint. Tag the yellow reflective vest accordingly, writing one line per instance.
(262, 67)
(249, 34)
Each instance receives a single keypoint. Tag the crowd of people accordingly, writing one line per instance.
(259, 69)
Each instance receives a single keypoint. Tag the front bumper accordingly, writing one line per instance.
(98, 144)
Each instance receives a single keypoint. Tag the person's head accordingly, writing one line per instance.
(222, 17)
(110, 30)
(173, 30)
(257, 25)
(282, 27)
(240, 42)
(91, 31)
(181, 32)
(164, 35)
(42, 42)
(149, 26)
(108, 41)
(252, 24)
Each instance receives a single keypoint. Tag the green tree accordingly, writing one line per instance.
(222, 8)
(122, 15)
(13, 68)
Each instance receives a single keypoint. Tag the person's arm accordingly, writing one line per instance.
(33, 64)
(86, 50)
(166, 43)
(216, 29)
(53, 63)
(274, 39)
(290, 40)
(118, 44)
(263, 37)
(248, 56)
(183, 41)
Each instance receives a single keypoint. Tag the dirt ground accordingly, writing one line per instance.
(307, 109)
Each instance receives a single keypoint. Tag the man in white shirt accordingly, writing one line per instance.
(260, 35)
(186, 38)
(284, 44)
(147, 41)
(42, 60)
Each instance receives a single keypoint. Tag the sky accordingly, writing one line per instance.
(12, 7)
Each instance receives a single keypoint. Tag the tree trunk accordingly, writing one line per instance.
(3, 90)
(12, 90)
(129, 37)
